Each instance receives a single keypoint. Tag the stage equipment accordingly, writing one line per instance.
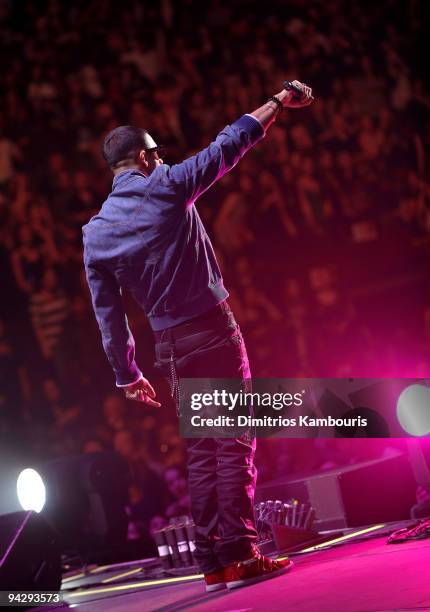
(173, 546)
(30, 554)
(418, 531)
(375, 491)
(413, 410)
(160, 540)
(85, 499)
(291, 514)
(289, 524)
(31, 490)
(175, 543)
(419, 457)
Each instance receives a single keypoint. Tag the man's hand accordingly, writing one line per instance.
(291, 98)
(294, 100)
(142, 391)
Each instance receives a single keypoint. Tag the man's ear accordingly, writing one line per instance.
(142, 158)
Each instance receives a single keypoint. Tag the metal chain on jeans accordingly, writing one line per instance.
(173, 372)
(174, 377)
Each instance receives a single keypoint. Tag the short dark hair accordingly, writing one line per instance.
(124, 142)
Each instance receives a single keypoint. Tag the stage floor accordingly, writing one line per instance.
(361, 576)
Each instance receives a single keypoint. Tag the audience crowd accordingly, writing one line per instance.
(322, 230)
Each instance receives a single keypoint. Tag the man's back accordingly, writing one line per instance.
(156, 247)
(148, 238)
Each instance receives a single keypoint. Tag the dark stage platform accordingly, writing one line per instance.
(354, 575)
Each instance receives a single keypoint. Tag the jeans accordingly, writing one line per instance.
(221, 472)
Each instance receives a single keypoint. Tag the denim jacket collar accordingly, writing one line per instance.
(124, 175)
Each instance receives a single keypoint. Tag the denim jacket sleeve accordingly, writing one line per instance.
(199, 172)
(118, 341)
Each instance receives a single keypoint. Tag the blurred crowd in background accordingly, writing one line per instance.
(322, 230)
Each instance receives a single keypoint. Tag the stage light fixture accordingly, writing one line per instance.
(31, 490)
(413, 410)
(83, 497)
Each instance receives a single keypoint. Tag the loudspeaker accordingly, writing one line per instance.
(378, 491)
(30, 554)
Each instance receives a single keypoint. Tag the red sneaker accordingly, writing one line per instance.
(215, 581)
(255, 569)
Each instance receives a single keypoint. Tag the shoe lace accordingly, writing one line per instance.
(264, 563)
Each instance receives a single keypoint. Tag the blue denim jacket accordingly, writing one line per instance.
(148, 238)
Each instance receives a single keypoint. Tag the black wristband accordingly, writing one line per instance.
(277, 102)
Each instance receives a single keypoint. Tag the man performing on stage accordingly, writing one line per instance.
(148, 238)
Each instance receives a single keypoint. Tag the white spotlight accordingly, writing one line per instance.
(31, 490)
(413, 410)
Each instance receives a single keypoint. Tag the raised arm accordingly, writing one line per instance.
(197, 173)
